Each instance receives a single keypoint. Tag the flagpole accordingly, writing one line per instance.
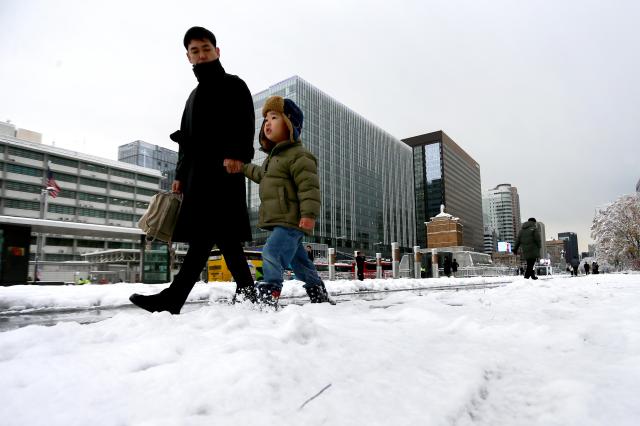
(43, 208)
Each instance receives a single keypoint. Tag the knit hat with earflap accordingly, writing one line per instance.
(292, 114)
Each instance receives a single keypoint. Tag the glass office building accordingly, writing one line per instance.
(366, 183)
(151, 156)
(445, 174)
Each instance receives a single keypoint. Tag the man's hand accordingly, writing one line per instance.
(307, 223)
(176, 187)
(233, 166)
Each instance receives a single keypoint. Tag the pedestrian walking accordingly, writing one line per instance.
(215, 139)
(529, 241)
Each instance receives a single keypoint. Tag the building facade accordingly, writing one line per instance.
(556, 252)
(490, 240)
(445, 174)
(366, 183)
(571, 251)
(150, 156)
(501, 210)
(444, 230)
(93, 190)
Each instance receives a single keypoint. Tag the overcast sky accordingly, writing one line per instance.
(545, 95)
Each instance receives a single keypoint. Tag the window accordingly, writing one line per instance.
(57, 208)
(93, 167)
(63, 161)
(148, 179)
(123, 188)
(122, 173)
(142, 205)
(92, 197)
(92, 213)
(60, 242)
(147, 192)
(63, 177)
(93, 182)
(22, 204)
(67, 194)
(23, 187)
(120, 202)
(26, 153)
(120, 216)
(24, 170)
(91, 243)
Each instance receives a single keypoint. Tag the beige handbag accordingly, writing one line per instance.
(161, 216)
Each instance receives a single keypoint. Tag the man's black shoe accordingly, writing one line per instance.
(153, 303)
(245, 293)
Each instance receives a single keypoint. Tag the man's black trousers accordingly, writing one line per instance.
(196, 259)
(529, 271)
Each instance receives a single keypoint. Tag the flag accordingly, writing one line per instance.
(52, 186)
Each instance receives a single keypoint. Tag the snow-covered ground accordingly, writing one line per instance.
(564, 351)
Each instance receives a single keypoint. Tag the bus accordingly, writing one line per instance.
(217, 268)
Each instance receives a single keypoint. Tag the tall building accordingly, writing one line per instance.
(638, 186)
(445, 174)
(490, 240)
(543, 240)
(571, 251)
(155, 157)
(501, 207)
(365, 179)
(93, 190)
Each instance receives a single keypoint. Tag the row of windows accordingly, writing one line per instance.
(26, 153)
(68, 242)
(73, 163)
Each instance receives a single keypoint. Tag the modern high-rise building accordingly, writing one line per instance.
(501, 208)
(155, 157)
(571, 251)
(366, 183)
(490, 240)
(543, 240)
(94, 190)
(445, 174)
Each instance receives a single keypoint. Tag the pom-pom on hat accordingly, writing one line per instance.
(292, 114)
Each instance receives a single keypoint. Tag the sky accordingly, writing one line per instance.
(559, 351)
(542, 94)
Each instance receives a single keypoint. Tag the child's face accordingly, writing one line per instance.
(275, 129)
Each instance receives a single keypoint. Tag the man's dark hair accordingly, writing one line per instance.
(532, 219)
(198, 33)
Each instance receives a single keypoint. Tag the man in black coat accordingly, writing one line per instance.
(215, 139)
(360, 259)
(529, 242)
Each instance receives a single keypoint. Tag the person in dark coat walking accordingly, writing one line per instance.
(360, 259)
(594, 267)
(586, 267)
(529, 241)
(447, 266)
(215, 139)
(575, 264)
(454, 267)
(310, 253)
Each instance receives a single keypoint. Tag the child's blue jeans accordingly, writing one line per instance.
(283, 248)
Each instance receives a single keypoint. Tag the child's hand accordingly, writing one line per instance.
(307, 223)
(233, 166)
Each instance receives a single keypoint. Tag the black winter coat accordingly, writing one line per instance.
(528, 241)
(218, 122)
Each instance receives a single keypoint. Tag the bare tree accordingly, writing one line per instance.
(616, 231)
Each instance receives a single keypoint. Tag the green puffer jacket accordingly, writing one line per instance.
(528, 241)
(289, 186)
